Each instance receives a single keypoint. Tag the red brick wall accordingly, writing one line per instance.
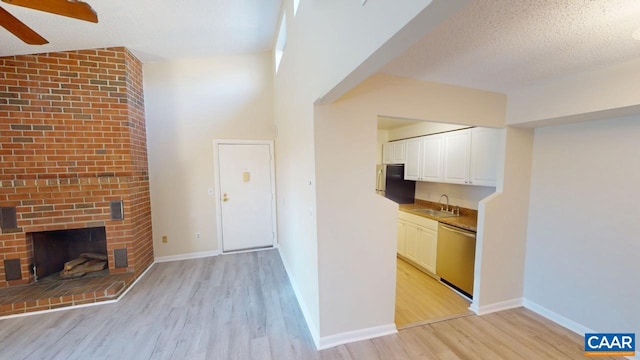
(140, 209)
(72, 139)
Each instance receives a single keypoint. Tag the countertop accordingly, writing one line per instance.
(467, 220)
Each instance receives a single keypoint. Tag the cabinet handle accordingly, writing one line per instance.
(467, 234)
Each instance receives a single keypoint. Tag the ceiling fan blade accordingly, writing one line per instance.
(19, 29)
(69, 8)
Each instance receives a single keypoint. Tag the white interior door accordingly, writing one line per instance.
(246, 196)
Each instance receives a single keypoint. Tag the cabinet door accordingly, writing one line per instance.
(411, 245)
(387, 153)
(432, 158)
(412, 164)
(485, 145)
(457, 148)
(399, 155)
(428, 240)
(401, 238)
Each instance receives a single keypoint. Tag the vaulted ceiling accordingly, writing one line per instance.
(498, 45)
(155, 29)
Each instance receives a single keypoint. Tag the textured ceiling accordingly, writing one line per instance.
(155, 29)
(503, 45)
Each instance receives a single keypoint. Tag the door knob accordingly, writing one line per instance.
(224, 197)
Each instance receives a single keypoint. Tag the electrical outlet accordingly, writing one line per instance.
(197, 235)
(165, 239)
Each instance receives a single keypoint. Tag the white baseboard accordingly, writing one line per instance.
(357, 335)
(562, 321)
(303, 306)
(196, 255)
(499, 306)
(337, 339)
(249, 250)
(557, 318)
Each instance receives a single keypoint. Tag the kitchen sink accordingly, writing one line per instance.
(437, 213)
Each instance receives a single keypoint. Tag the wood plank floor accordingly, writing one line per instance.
(421, 299)
(242, 307)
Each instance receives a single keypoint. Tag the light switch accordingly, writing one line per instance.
(245, 176)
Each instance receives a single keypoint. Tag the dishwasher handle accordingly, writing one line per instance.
(464, 233)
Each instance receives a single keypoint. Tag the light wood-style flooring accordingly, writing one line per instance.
(242, 307)
(517, 334)
(421, 299)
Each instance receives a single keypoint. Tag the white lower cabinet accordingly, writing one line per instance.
(418, 240)
(412, 234)
(427, 246)
(402, 239)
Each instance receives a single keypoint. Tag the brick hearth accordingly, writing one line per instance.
(52, 294)
(73, 140)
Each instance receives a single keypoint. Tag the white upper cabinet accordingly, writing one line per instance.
(468, 156)
(457, 152)
(424, 158)
(398, 152)
(413, 159)
(387, 153)
(393, 152)
(485, 146)
(432, 158)
(471, 156)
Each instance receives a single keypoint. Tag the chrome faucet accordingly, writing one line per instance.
(446, 197)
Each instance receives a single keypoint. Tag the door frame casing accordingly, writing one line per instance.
(218, 194)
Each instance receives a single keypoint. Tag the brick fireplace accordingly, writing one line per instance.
(73, 156)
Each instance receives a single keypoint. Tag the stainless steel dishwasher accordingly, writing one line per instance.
(456, 257)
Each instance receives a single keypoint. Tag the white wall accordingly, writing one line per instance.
(502, 228)
(607, 92)
(189, 103)
(326, 41)
(583, 246)
(357, 229)
(466, 196)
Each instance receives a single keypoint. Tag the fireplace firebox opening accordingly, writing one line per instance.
(86, 247)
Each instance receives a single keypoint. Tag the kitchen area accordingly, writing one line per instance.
(437, 173)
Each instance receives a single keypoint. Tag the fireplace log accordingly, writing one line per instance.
(75, 262)
(86, 267)
(94, 256)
